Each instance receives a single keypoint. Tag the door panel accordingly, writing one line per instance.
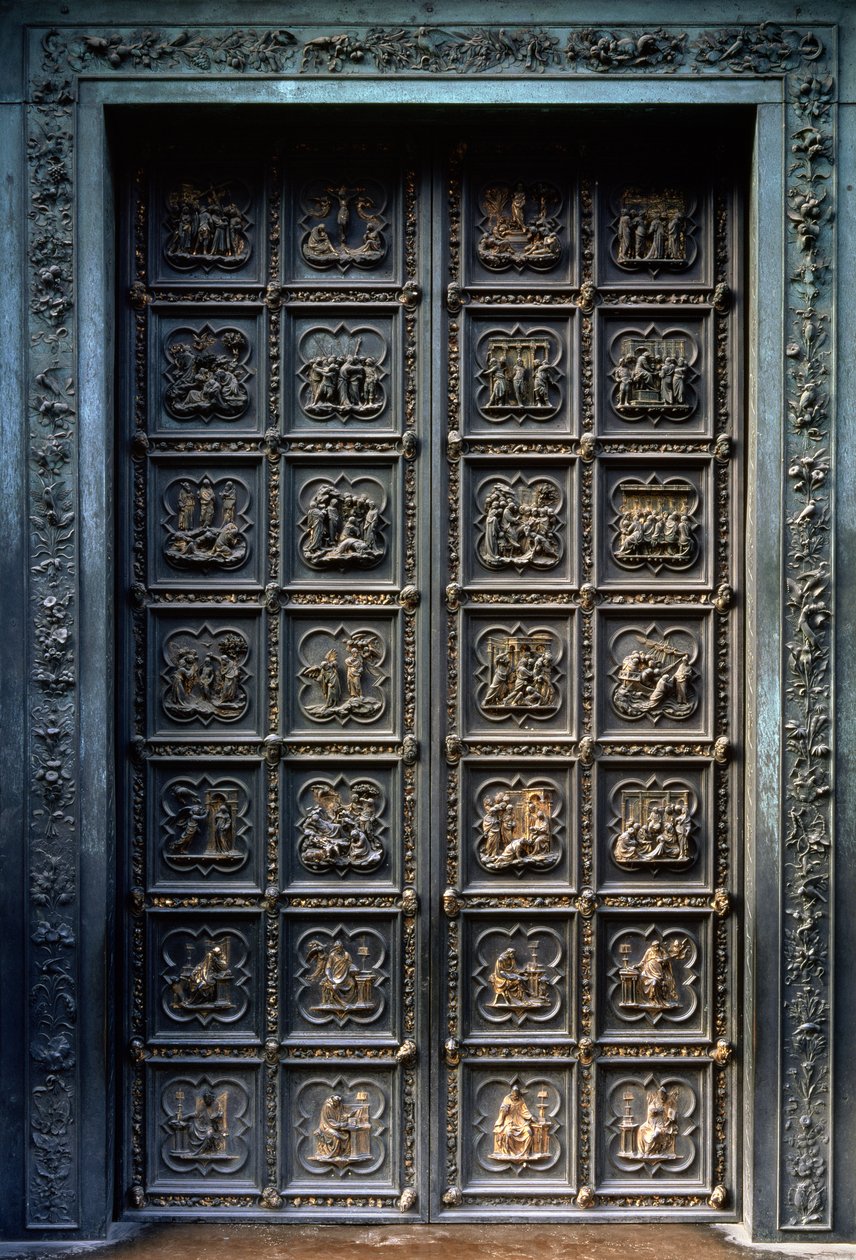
(272, 485)
(340, 362)
(590, 558)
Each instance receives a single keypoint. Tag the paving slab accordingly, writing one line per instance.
(639, 1241)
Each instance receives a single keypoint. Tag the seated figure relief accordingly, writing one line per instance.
(652, 1140)
(516, 987)
(518, 1136)
(203, 1134)
(344, 989)
(344, 1132)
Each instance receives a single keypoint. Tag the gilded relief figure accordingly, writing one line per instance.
(342, 378)
(655, 828)
(205, 533)
(655, 681)
(650, 984)
(519, 375)
(345, 989)
(362, 653)
(655, 1138)
(520, 526)
(655, 526)
(519, 228)
(516, 831)
(344, 1132)
(205, 226)
(518, 1137)
(519, 988)
(349, 229)
(652, 230)
(521, 674)
(204, 827)
(203, 1135)
(651, 377)
(341, 529)
(207, 686)
(339, 837)
(204, 986)
(206, 375)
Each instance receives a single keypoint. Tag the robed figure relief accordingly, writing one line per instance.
(351, 695)
(651, 983)
(344, 1132)
(519, 987)
(203, 1135)
(656, 680)
(516, 831)
(348, 228)
(344, 988)
(520, 228)
(518, 1136)
(654, 1139)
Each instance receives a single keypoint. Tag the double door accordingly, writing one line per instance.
(430, 707)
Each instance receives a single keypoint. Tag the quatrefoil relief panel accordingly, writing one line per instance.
(521, 976)
(653, 523)
(341, 978)
(654, 977)
(207, 228)
(343, 674)
(343, 526)
(514, 827)
(655, 674)
(207, 520)
(207, 375)
(205, 1129)
(653, 826)
(518, 220)
(517, 1127)
(651, 1128)
(342, 223)
(341, 1128)
(654, 230)
(655, 377)
(342, 374)
(518, 375)
(339, 826)
(520, 674)
(202, 981)
(522, 522)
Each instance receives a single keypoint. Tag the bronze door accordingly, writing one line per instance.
(427, 475)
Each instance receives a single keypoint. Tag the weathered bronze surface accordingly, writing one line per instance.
(279, 463)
